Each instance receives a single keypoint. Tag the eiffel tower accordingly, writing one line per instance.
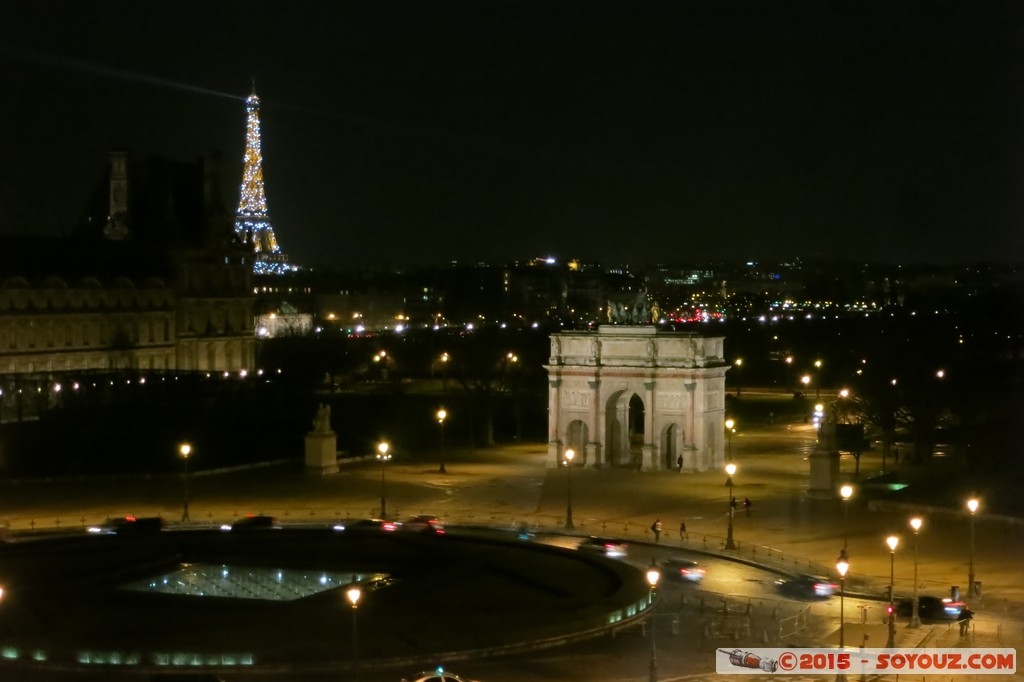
(252, 222)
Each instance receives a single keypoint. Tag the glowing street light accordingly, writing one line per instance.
(441, 415)
(972, 506)
(569, 454)
(353, 594)
(892, 541)
(915, 617)
(730, 469)
(185, 450)
(739, 365)
(846, 492)
(653, 575)
(383, 455)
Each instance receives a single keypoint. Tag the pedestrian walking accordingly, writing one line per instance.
(965, 617)
(656, 529)
(679, 464)
(746, 505)
(682, 531)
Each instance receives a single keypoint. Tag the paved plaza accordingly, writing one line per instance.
(506, 487)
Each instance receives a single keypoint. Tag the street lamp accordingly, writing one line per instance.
(353, 594)
(739, 365)
(569, 454)
(653, 576)
(915, 617)
(846, 492)
(842, 566)
(730, 469)
(972, 506)
(185, 450)
(729, 424)
(445, 358)
(817, 382)
(892, 541)
(441, 415)
(383, 456)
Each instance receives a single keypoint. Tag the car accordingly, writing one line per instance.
(806, 586)
(439, 674)
(373, 524)
(606, 546)
(685, 570)
(931, 608)
(127, 525)
(424, 523)
(253, 523)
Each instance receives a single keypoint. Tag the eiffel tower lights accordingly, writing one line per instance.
(252, 222)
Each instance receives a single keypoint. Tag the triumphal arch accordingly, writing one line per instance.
(637, 397)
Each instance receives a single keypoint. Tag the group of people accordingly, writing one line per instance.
(683, 535)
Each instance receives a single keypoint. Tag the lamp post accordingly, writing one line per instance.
(972, 506)
(441, 415)
(805, 380)
(817, 380)
(653, 576)
(846, 492)
(729, 428)
(915, 617)
(842, 567)
(445, 358)
(569, 454)
(892, 541)
(730, 469)
(185, 450)
(353, 594)
(739, 365)
(383, 456)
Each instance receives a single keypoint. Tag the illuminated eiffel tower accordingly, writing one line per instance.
(252, 222)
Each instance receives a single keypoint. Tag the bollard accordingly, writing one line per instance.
(775, 613)
(707, 630)
(675, 625)
(736, 633)
(725, 607)
(705, 542)
(764, 636)
(747, 612)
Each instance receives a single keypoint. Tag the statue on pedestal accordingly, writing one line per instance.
(322, 420)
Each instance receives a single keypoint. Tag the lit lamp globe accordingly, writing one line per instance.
(730, 468)
(846, 491)
(972, 505)
(893, 541)
(653, 575)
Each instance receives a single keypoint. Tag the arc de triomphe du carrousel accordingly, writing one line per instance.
(638, 397)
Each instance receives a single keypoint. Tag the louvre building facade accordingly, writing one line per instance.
(151, 279)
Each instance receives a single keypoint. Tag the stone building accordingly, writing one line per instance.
(637, 397)
(152, 278)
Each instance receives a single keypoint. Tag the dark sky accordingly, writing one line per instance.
(419, 132)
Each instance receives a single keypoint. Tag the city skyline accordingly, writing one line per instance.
(403, 135)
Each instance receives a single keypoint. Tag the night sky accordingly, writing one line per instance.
(421, 132)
